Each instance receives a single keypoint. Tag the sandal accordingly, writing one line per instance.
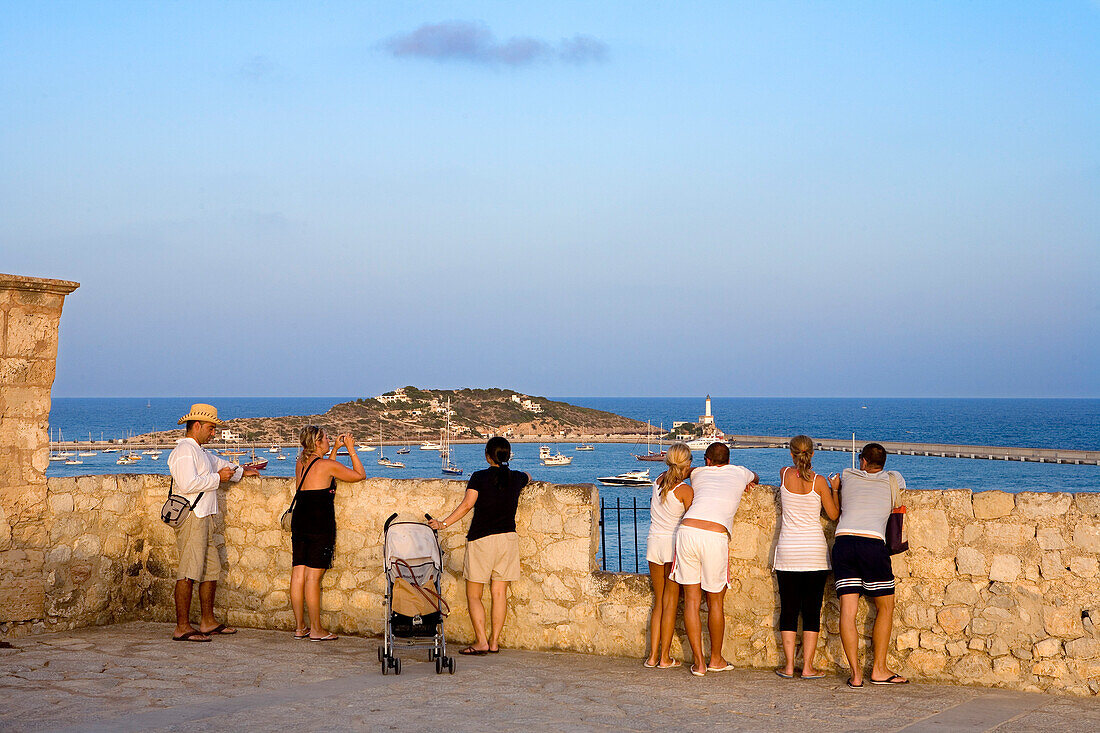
(675, 663)
(854, 687)
(330, 637)
(190, 636)
(303, 635)
(471, 652)
(894, 679)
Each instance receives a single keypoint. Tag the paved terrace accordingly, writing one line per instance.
(130, 677)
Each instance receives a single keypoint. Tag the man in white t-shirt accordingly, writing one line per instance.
(701, 562)
(196, 475)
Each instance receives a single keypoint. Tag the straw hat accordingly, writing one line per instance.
(204, 413)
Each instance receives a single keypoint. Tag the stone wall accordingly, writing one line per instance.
(30, 310)
(997, 590)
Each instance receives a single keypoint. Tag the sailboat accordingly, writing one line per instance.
(382, 460)
(405, 448)
(87, 453)
(584, 446)
(449, 467)
(649, 454)
(55, 455)
(259, 464)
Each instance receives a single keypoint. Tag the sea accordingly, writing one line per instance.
(1031, 423)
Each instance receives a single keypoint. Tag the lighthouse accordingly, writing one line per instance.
(708, 413)
(706, 421)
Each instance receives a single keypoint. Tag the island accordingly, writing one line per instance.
(410, 414)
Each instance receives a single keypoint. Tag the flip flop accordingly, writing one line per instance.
(645, 664)
(330, 637)
(471, 652)
(727, 668)
(190, 636)
(675, 663)
(495, 651)
(220, 629)
(813, 676)
(784, 675)
(699, 674)
(894, 679)
(854, 687)
(303, 635)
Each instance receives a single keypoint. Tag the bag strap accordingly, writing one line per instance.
(171, 480)
(429, 593)
(893, 490)
(299, 489)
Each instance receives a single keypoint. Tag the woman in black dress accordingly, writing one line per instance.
(492, 545)
(313, 524)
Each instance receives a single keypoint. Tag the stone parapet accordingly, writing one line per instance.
(997, 589)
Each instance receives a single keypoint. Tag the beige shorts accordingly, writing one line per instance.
(495, 557)
(200, 556)
(702, 558)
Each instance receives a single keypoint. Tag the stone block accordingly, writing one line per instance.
(972, 533)
(961, 592)
(993, 504)
(1087, 503)
(953, 620)
(932, 641)
(908, 640)
(1087, 537)
(1083, 648)
(974, 668)
(748, 542)
(1006, 668)
(1048, 648)
(957, 648)
(1042, 505)
(1050, 668)
(22, 598)
(928, 529)
(1063, 621)
(31, 334)
(1050, 565)
(925, 663)
(1004, 568)
(1009, 536)
(970, 561)
(1085, 567)
(1050, 539)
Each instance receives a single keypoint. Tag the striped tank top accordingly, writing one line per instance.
(801, 545)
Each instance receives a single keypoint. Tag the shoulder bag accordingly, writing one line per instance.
(288, 516)
(176, 510)
(896, 541)
(416, 609)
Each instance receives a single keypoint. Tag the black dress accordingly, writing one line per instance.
(313, 526)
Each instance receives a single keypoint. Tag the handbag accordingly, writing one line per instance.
(896, 541)
(415, 609)
(288, 516)
(176, 510)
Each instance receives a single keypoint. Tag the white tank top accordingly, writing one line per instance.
(665, 514)
(718, 491)
(801, 545)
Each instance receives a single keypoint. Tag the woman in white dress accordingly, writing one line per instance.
(672, 496)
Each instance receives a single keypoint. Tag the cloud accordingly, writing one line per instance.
(459, 40)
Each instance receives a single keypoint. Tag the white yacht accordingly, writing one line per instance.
(429, 445)
(557, 459)
(630, 478)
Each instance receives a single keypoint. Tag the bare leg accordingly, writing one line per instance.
(693, 624)
(207, 590)
(849, 639)
(498, 591)
(184, 588)
(809, 651)
(312, 588)
(789, 640)
(880, 635)
(716, 625)
(657, 578)
(668, 617)
(477, 613)
(298, 597)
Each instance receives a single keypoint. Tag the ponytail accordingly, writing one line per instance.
(802, 452)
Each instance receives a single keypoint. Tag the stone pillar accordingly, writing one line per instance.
(30, 310)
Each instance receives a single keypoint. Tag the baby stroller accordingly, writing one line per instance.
(414, 605)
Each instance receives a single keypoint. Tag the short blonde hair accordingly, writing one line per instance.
(309, 437)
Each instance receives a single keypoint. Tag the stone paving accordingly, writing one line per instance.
(130, 677)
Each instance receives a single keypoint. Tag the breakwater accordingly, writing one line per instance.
(997, 590)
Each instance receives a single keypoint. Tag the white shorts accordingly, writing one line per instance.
(660, 548)
(702, 558)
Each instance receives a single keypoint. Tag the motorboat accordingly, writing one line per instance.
(429, 445)
(73, 462)
(274, 449)
(557, 459)
(280, 457)
(257, 463)
(630, 478)
(702, 443)
(367, 448)
(449, 467)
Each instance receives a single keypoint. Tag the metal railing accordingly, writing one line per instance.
(622, 537)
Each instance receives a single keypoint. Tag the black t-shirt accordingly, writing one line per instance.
(495, 508)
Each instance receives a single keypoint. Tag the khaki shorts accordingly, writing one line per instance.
(703, 558)
(200, 556)
(495, 557)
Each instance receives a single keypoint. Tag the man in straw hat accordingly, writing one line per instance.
(197, 473)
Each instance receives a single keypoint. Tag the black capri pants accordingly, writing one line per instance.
(800, 592)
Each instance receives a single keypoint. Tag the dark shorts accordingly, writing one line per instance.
(313, 550)
(862, 565)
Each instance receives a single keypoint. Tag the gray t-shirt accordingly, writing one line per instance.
(865, 502)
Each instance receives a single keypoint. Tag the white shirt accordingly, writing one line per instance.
(718, 491)
(195, 470)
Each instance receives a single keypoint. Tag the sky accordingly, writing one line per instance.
(789, 199)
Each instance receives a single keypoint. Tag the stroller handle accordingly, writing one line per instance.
(389, 521)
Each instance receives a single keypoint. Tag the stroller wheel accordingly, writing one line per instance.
(439, 665)
(379, 654)
(396, 666)
(385, 667)
(450, 665)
